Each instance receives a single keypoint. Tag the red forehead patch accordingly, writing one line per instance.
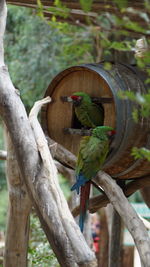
(75, 97)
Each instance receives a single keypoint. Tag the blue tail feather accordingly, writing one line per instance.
(81, 221)
(81, 180)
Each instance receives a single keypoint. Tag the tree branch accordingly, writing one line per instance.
(62, 154)
(52, 196)
(128, 215)
(102, 200)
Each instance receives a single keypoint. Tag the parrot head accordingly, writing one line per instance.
(79, 97)
(103, 131)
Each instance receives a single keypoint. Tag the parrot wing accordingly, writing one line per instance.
(83, 144)
(90, 114)
(96, 114)
(92, 156)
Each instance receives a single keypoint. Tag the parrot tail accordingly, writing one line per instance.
(84, 202)
(81, 180)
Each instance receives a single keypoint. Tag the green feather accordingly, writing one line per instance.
(88, 113)
(92, 154)
(93, 151)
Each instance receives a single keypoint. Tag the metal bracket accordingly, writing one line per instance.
(82, 131)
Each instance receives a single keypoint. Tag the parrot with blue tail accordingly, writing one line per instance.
(87, 112)
(91, 157)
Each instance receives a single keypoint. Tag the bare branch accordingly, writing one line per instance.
(128, 215)
(62, 154)
(102, 200)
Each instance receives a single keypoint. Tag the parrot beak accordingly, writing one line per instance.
(66, 99)
(69, 99)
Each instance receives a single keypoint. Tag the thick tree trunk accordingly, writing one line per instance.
(17, 231)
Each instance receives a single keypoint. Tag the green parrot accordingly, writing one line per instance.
(91, 157)
(87, 112)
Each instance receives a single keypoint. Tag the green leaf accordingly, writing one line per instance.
(39, 9)
(86, 5)
(134, 26)
(39, 3)
(121, 46)
(135, 115)
(140, 153)
(107, 66)
(121, 3)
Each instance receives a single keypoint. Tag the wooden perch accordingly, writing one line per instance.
(128, 215)
(62, 154)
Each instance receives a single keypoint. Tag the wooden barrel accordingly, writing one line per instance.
(95, 80)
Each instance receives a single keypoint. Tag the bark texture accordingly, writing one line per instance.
(128, 215)
(103, 200)
(17, 231)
